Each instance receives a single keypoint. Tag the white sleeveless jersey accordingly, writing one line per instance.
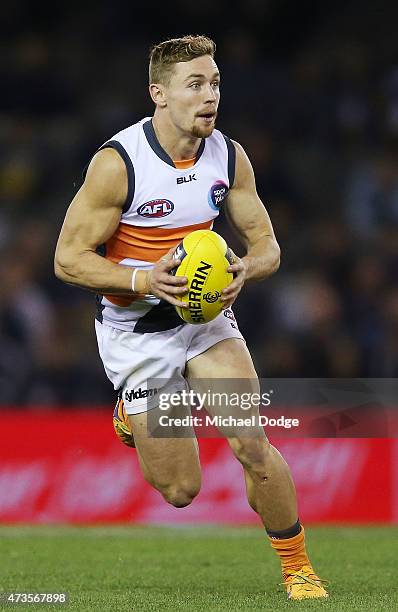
(163, 205)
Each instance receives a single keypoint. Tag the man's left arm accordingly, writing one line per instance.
(248, 216)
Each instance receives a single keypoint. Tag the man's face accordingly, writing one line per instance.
(193, 95)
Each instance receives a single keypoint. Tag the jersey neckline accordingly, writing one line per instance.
(157, 148)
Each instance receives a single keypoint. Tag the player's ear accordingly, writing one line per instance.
(158, 94)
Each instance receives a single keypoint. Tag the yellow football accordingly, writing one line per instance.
(205, 257)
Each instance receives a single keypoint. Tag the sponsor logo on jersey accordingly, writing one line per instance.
(186, 179)
(156, 209)
(217, 194)
(180, 254)
(210, 298)
(139, 393)
(230, 257)
(229, 314)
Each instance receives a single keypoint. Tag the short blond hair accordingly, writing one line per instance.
(164, 55)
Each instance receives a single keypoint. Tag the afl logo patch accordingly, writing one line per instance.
(217, 194)
(156, 208)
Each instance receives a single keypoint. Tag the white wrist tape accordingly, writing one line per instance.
(133, 279)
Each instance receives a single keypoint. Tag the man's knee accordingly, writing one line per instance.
(253, 453)
(180, 495)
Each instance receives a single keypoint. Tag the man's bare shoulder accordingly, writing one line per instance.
(107, 162)
(107, 177)
(240, 152)
(243, 169)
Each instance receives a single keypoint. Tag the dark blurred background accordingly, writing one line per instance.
(310, 89)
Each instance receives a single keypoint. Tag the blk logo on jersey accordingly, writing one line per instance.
(186, 179)
(217, 194)
(156, 209)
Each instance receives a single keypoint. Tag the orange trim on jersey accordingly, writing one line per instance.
(182, 164)
(147, 243)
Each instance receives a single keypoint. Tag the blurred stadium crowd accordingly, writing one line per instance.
(315, 106)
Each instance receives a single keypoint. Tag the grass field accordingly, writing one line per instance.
(209, 568)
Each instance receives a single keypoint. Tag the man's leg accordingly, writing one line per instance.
(271, 495)
(170, 465)
(269, 485)
(131, 361)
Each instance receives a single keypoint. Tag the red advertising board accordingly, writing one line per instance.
(67, 466)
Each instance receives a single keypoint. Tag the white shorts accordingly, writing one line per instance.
(131, 359)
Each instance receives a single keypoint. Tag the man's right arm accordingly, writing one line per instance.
(91, 219)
